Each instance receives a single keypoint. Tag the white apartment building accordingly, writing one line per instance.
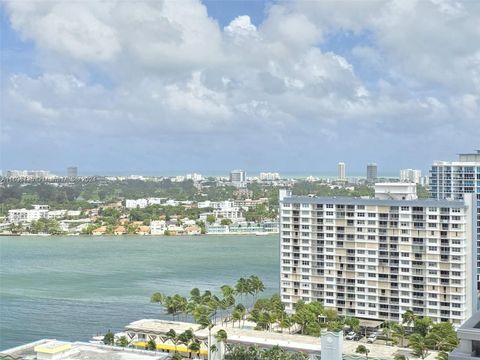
(269, 176)
(34, 174)
(136, 204)
(238, 178)
(18, 216)
(158, 227)
(411, 175)
(454, 179)
(375, 259)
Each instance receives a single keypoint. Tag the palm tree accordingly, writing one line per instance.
(286, 322)
(241, 287)
(221, 337)
(419, 345)
(206, 323)
(173, 337)
(194, 346)
(236, 316)
(399, 332)
(362, 349)
(256, 286)
(387, 330)
(409, 317)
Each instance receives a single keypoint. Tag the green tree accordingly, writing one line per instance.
(399, 332)
(225, 222)
(173, 337)
(400, 357)
(109, 338)
(442, 337)
(353, 323)
(419, 345)
(409, 317)
(211, 218)
(422, 325)
(362, 349)
(122, 341)
(152, 345)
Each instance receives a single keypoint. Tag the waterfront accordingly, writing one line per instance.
(74, 287)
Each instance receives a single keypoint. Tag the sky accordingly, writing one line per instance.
(157, 87)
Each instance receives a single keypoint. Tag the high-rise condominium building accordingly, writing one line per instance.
(341, 171)
(377, 258)
(238, 177)
(454, 179)
(411, 175)
(72, 171)
(372, 172)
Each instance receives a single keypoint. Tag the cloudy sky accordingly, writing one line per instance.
(173, 86)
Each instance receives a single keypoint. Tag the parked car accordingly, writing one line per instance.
(371, 339)
(357, 337)
(350, 335)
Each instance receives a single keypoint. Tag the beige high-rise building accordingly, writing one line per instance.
(375, 259)
(341, 171)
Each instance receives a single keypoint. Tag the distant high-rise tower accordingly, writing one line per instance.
(372, 172)
(341, 171)
(410, 175)
(238, 178)
(72, 171)
(452, 180)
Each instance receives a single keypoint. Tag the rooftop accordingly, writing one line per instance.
(344, 200)
(78, 351)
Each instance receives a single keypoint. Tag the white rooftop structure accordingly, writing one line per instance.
(396, 191)
(49, 349)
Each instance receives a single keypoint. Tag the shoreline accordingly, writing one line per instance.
(140, 235)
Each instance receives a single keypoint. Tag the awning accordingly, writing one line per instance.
(373, 324)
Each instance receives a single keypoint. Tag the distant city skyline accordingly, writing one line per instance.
(282, 86)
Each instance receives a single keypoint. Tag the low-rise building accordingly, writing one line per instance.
(217, 229)
(100, 230)
(38, 212)
(136, 204)
(48, 349)
(469, 336)
(157, 227)
(120, 230)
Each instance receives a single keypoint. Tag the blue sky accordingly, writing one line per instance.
(153, 87)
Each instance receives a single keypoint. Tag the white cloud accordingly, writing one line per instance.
(171, 69)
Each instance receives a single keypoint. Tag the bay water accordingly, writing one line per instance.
(75, 287)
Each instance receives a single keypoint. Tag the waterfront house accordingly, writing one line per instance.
(157, 227)
(119, 230)
(193, 230)
(143, 230)
(100, 230)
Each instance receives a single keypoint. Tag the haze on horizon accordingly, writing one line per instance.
(154, 87)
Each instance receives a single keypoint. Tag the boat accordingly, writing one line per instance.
(97, 340)
(261, 233)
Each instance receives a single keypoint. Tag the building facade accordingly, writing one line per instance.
(454, 179)
(238, 178)
(375, 259)
(411, 175)
(341, 171)
(372, 172)
(469, 336)
(17, 216)
(72, 171)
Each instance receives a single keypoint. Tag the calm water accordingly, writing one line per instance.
(72, 288)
